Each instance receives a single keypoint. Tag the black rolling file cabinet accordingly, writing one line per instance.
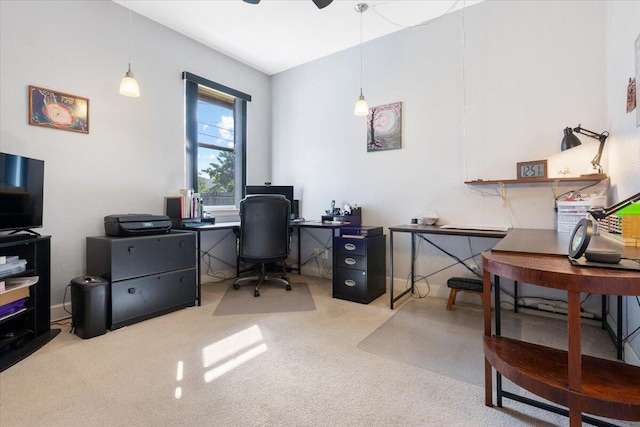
(359, 268)
(149, 275)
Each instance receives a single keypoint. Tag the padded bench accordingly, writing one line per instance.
(463, 284)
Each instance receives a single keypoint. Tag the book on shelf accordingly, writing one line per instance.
(12, 308)
(14, 267)
(186, 204)
(8, 259)
(20, 282)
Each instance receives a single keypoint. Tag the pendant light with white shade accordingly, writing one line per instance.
(361, 108)
(129, 85)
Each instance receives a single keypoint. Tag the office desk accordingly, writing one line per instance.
(419, 229)
(568, 378)
(301, 225)
(232, 226)
(235, 226)
(550, 242)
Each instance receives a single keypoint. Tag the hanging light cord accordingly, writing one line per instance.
(361, 12)
(129, 39)
(375, 9)
(464, 94)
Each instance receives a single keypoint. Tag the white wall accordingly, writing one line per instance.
(134, 153)
(623, 146)
(530, 70)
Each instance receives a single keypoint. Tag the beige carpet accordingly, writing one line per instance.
(274, 298)
(424, 334)
(190, 368)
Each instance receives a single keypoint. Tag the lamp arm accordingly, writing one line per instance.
(596, 160)
(590, 133)
(601, 213)
(602, 137)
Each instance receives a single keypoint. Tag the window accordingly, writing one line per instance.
(215, 126)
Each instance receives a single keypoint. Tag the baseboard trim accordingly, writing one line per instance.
(59, 313)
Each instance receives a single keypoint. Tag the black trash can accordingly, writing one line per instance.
(89, 306)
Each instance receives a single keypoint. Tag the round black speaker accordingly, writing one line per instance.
(602, 255)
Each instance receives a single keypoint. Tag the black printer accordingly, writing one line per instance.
(136, 225)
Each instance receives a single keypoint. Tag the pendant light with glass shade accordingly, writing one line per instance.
(129, 85)
(361, 108)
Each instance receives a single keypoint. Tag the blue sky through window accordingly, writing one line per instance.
(215, 130)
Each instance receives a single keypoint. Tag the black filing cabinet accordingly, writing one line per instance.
(149, 275)
(359, 268)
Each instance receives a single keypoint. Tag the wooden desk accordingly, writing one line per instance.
(568, 378)
(418, 229)
(550, 242)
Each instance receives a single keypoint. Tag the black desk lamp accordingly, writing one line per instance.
(570, 140)
(584, 229)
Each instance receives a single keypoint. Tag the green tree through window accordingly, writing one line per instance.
(221, 174)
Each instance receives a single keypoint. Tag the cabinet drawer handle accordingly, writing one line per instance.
(132, 290)
(349, 261)
(131, 249)
(182, 243)
(350, 283)
(350, 246)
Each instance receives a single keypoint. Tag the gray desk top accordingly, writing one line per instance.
(534, 241)
(550, 242)
(218, 226)
(435, 229)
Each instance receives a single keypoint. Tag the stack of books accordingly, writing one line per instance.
(15, 291)
(187, 204)
(11, 264)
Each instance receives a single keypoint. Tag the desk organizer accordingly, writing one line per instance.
(569, 213)
(354, 219)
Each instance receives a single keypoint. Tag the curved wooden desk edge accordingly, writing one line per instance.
(558, 273)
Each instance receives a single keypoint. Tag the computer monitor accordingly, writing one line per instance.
(284, 190)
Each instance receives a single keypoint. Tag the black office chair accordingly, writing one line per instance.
(264, 237)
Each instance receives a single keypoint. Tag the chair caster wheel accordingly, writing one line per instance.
(288, 287)
(256, 293)
(236, 286)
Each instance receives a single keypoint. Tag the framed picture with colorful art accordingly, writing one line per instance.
(384, 127)
(58, 110)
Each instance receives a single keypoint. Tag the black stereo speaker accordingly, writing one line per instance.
(295, 209)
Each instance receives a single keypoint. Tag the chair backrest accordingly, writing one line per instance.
(264, 228)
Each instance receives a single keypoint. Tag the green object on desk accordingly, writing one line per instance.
(633, 209)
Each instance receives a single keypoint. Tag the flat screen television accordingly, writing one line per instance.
(284, 190)
(21, 192)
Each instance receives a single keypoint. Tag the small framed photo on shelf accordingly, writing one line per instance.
(58, 110)
(532, 169)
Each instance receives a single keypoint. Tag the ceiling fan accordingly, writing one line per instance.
(320, 3)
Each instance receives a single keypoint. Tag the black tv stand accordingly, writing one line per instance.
(37, 315)
(26, 230)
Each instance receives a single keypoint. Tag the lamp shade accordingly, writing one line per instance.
(361, 108)
(129, 85)
(569, 140)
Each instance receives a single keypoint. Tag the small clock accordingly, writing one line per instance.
(532, 169)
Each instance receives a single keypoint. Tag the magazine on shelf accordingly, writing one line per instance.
(14, 283)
